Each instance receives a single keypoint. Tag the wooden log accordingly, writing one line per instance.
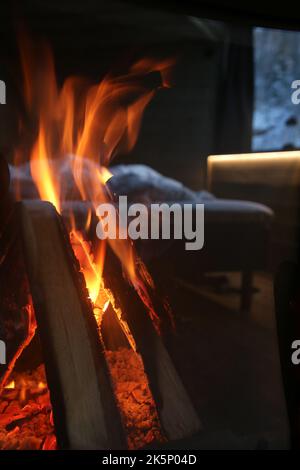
(112, 334)
(177, 415)
(16, 327)
(84, 408)
(22, 350)
(15, 321)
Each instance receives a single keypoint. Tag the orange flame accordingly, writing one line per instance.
(10, 386)
(92, 270)
(90, 124)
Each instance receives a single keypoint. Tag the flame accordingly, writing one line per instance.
(80, 128)
(42, 171)
(42, 385)
(91, 271)
(11, 385)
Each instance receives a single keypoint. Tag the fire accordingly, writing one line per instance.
(11, 385)
(99, 295)
(41, 169)
(80, 128)
(90, 268)
(90, 124)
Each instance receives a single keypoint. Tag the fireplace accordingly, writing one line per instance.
(136, 290)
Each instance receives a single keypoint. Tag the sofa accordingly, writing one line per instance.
(236, 233)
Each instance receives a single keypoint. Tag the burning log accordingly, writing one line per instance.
(25, 408)
(89, 378)
(177, 421)
(136, 403)
(84, 408)
(176, 412)
(17, 323)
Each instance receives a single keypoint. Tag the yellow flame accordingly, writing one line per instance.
(42, 173)
(11, 385)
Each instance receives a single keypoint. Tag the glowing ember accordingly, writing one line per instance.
(25, 413)
(25, 409)
(134, 398)
(10, 385)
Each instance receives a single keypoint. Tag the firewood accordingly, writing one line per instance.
(112, 334)
(16, 325)
(177, 415)
(84, 408)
